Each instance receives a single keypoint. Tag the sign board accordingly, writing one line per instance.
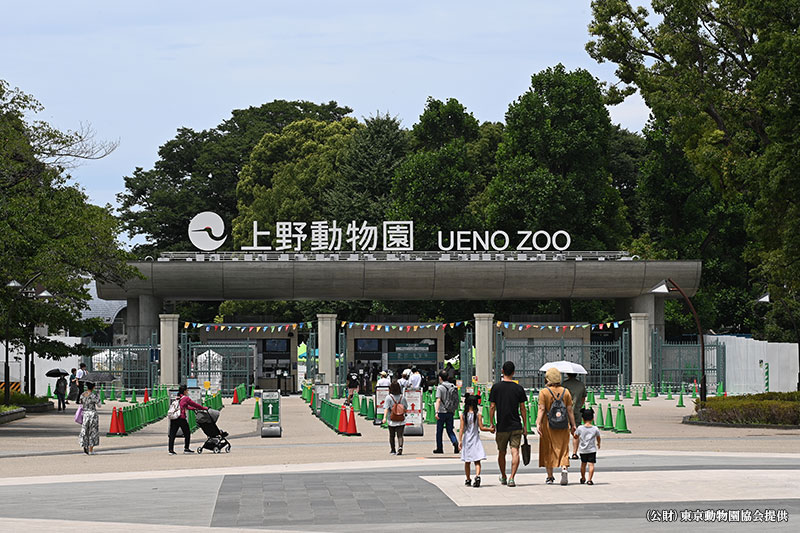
(270, 423)
(459, 383)
(322, 391)
(414, 412)
(191, 382)
(380, 401)
(206, 384)
(195, 394)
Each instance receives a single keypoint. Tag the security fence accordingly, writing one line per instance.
(135, 366)
(676, 363)
(225, 365)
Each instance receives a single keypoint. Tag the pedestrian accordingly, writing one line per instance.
(352, 384)
(555, 404)
(384, 381)
(507, 406)
(73, 386)
(90, 427)
(81, 377)
(415, 379)
(469, 439)
(587, 440)
(61, 393)
(451, 372)
(445, 408)
(577, 390)
(394, 416)
(404, 381)
(177, 409)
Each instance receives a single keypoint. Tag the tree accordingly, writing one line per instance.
(442, 122)
(362, 188)
(50, 232)
(723, 74)
(553, 164)
(199, 171)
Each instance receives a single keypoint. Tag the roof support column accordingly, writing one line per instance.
(484, 346)
(132, 320)
(326, 340)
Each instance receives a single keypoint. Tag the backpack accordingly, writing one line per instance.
(398, 412)
(450, 398)
(557, 414)
(174, 411)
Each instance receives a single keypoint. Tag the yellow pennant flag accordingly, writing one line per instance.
(185, 324)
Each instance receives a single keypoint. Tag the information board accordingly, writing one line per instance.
(271, 414)
(322, 391)
(380, 401)
(414, 412)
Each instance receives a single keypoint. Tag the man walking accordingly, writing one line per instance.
(446, 403)
(81, 377)
(507, 401)
(415, 381)
(577, 390)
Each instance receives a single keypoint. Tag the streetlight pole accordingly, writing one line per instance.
(664, 288)
(17, 287)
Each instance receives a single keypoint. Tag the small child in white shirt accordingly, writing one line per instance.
(589, 437)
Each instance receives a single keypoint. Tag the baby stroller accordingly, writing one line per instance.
(216, 442)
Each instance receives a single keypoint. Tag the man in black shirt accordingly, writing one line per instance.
(352, 384)
(507, 400)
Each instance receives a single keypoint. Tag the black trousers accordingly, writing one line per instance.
(398, 431)
(62, 401)
(174, 425)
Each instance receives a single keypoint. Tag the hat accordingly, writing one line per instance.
(407, 372)
(553, 376)
(383, 373)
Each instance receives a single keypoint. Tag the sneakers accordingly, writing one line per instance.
(392, 452)
(550, 480)
(468, 482)
(477, 482)
(564, 477)
(86, 450)
(438, 451)
(173, 453)
(511, 482)
(503, 480)
(188, 452)
(400, 451)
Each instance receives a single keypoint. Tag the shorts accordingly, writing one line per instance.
(589, 457)
(504, 438)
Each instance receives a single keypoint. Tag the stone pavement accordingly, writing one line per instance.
(314, 480)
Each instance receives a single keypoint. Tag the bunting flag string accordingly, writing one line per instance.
(404, 327)
(249, 328)
(522, 326)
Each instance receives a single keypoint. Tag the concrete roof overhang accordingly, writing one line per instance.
(402, 280)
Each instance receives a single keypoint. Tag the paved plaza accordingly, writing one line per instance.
(314, 480)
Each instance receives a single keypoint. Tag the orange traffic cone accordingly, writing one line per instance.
(351, 424)
(342, 421)
(235, 397)
(121, 423)
(146, 396)
(311, 403)
(114, 429)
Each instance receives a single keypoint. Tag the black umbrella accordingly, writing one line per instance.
(56, 373)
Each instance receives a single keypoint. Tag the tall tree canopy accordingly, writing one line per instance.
(199, 171)
(50, 232)
(724, 75)
(553, 170)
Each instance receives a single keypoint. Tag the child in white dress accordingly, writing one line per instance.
(469, 439)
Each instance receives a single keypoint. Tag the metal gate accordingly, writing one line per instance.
(135, 366)
(225, 365)
(678, 363)
(312, 359)
(467, 368)
(607, 363)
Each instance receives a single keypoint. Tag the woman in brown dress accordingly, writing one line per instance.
(554, 443)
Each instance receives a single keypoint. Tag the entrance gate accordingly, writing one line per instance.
(467, 369)
(312, 359)
(678, 363)
(341, 360)
(225, 365)
(135, 366)
(607, 363)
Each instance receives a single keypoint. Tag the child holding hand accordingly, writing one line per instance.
(587, 437)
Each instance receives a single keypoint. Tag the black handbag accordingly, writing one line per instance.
(526, 451)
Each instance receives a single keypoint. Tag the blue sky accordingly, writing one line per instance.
(138, 71)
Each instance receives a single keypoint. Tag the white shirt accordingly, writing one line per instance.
(80, 374)
(404, 383)
(383, 382)
(415, 380)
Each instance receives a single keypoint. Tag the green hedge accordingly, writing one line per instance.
(4, 408)
(777, 408)
(18, 398)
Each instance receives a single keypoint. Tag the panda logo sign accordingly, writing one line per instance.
(207, 231)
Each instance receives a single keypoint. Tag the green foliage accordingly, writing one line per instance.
(199, 171)
(553, 170)
(289, 173)
(18, 398)
(51, 234)
(769, 408)
(5, 408)
(443, 122)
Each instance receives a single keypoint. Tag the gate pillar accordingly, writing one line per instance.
(326, 341)
(168, 361)
(484, 338)
(641, 359)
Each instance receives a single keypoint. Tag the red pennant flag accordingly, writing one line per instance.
(601, 325)
(372, 327)
(527, 326)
